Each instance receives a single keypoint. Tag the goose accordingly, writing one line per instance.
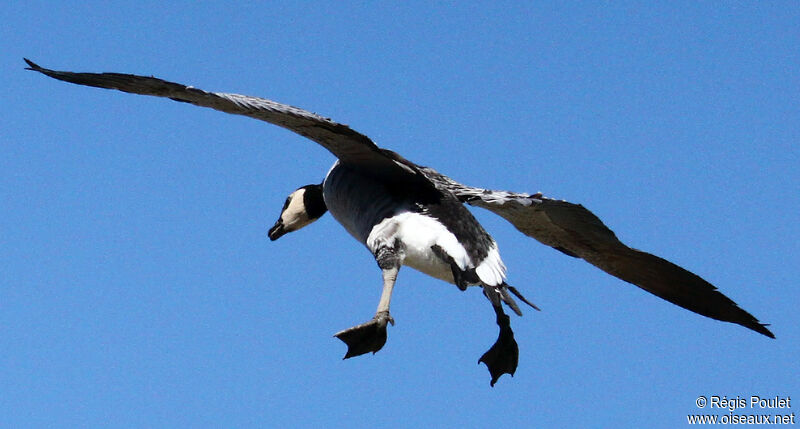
(408, 214)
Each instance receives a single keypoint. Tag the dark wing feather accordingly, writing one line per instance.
(350, 146)
(576, 231)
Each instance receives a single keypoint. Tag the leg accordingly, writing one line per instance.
(502, 358)
(371, 336)
(462, 278)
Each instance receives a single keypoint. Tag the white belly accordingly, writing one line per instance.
(419, 233)
(366, 210)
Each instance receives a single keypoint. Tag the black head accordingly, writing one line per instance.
(302, 207)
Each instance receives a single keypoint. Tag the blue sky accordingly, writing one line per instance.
(139, 288)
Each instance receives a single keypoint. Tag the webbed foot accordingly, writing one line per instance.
(366, 337)
(503, 357)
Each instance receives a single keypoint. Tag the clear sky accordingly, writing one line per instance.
(138, 287)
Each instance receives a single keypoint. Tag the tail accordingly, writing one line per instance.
(500, 293)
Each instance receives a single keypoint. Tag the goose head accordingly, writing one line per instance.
(302, 207)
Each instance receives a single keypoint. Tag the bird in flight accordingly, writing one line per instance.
(408, 214)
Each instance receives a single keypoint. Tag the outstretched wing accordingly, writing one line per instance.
(350, 146)
(576, 231)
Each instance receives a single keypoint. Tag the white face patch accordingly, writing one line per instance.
(295, 216)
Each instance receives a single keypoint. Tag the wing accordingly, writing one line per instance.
(576, 231)
(350, 146)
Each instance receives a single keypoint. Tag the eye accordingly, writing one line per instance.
(286, 204)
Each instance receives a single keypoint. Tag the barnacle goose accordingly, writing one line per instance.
(406, 214)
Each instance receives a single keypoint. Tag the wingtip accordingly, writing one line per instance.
(31, 65)
(755, 325)
(761, 328)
